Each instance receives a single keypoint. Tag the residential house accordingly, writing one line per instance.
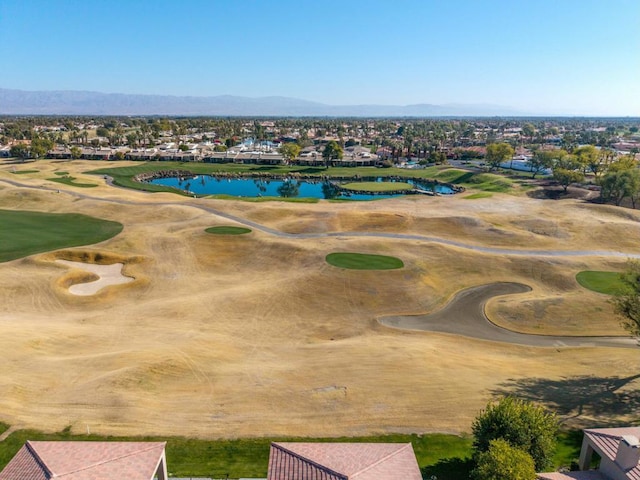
(88, 460)
(619, 453)
(343, 461)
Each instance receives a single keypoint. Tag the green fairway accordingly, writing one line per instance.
(362, 261)
(23, 172)
(608, 283)
(227, 230)
(71, 181)
(378, 186)
(24, 233)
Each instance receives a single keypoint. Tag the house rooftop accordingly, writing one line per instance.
(344, 461)
(85, 461)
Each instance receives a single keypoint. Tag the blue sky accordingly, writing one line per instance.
(539, 56)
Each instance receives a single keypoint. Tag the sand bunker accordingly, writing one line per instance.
(107, 275)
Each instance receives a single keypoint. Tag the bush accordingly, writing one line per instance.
(502, 461)
(522, 424)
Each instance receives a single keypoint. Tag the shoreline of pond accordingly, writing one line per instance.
(423, 186)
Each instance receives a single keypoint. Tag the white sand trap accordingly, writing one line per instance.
(108, 275)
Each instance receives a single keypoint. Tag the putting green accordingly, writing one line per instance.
(227, 230)
(378, 186)
(363, 261)
(608, 283)
(24, 233)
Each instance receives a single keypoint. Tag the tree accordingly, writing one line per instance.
(627, 303)
(40, 147)
(76, 152)
(332, 151)
(544, 159)
(289, 151)
(498, 153)
(528, 130)
(19, 150)
(522, 424)
(566, 171)
(617, 185)
(589, 159)
(502, 461)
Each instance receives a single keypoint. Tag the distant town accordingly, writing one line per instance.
(602, 150)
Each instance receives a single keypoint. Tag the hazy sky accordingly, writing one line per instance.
(540, 56)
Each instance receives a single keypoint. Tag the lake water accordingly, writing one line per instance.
(291, 188)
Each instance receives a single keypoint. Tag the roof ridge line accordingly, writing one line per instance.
(308, 460)
(112, 459)
(39, 461)
(386, 457)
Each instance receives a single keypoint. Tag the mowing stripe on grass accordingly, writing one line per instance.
(363, 261)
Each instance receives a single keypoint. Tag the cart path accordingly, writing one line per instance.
(465, 315)
(349, 234)
(466, 307)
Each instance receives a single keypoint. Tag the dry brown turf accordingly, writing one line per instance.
(255, 335)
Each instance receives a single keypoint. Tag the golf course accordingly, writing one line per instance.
(243, 319)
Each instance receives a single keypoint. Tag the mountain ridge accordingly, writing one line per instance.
(81, 102)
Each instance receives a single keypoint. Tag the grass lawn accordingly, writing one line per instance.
(71, 181)
(61, 173)
(442, 455)
(227, 230)
(23, 172)
(362, 261)
(24, 233)
(608, 283)
(377, 186)
(475, 196)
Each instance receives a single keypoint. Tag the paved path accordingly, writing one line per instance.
(465, 315)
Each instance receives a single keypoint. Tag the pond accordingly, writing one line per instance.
(287, 187)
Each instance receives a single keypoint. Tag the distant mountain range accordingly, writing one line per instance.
(69, 102)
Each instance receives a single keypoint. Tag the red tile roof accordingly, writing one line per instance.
(343, 461)
(85, 461)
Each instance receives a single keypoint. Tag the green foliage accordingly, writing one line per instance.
(19, 150)
(23, 172)
(76, 152)
(227, 230)
(566, 177)
(520, 423)
(608, 283)
(617, 185)
(543, 159)
(362, 261)
(332, 151)
(24, 233)
(290, 151)
(502, 461)
(498, 153)
(40, 147)
(627, 303)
